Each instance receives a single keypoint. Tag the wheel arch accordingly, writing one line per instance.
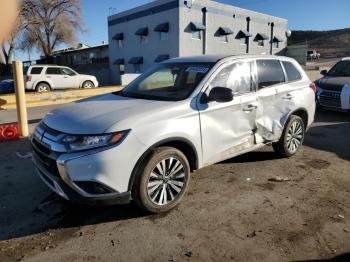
(43, 82)
(85, 80)
(302, 113)
(180, 143)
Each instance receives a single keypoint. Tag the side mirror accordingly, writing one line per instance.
(324, 72)
(220, 94)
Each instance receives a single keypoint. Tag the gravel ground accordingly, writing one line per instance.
(233, 211)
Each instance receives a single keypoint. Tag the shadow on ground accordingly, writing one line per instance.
(28, 207)
(332, 136)
(341, 258)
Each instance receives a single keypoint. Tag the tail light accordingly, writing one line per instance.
(28, 78)
(313, 87)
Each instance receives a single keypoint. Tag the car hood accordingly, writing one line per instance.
(97, 114)
(333, 83)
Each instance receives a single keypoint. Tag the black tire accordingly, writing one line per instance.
(42, 87)
(88, 84)
(284, 147)
(142, 188)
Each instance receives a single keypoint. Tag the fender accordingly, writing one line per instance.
(46, 81)
(297, 113)
(152, 148)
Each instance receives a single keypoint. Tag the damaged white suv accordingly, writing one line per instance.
(143, 142)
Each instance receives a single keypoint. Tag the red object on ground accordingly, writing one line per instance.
(9, 132)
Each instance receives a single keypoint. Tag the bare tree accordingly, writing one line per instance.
(48, 23)
(8, 47)
(7, 42)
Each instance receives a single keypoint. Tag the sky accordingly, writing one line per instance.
(301, 14)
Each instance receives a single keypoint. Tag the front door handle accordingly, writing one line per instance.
(288, 97)
(250, 108)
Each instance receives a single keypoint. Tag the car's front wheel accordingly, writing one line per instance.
(292, 137)
(162, 180)
(88, 84)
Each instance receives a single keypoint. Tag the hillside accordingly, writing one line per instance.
(330, 43)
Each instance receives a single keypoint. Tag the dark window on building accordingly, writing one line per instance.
(137, 68)
(144, 39)
(270, 73)
(292, 73)
(164, 35)
(120, 43)
(275, 44)
(121, 69)
(197, 35)
(244, 40)
(224, 38)
(53, 71)
(261, 42)
(196, 30)
(36, 70)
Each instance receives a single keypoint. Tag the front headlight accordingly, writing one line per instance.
(84, 142)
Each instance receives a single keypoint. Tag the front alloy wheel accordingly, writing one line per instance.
(163, 181)
(166, 181)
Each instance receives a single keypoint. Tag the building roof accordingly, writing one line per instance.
(84, 48)
(214, 58)
(197, 59)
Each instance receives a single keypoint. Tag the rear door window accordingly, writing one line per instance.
(270, 73)
(53, 71)
(292, 72)
(36, 70)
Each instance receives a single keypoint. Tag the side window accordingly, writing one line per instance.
(67, 71)
(36, 70)
(292, 73)
(236, 76)
(270, 73)
(53, 71)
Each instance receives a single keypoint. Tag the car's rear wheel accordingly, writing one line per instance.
(162, 180)
(42, 87)
(292, 137)
(88, 84)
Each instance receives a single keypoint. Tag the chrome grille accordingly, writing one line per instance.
(330, 99)
(46, 148)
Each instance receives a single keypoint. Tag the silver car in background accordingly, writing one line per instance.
(143, 142)
(44, 78)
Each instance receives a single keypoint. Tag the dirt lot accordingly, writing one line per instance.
(232, 211)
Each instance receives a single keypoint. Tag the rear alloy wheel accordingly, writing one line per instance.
(88, 84)
(292, 137)
(162, 183)
(42, 87)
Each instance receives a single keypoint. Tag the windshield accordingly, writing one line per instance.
(340, 69)
(168, 82)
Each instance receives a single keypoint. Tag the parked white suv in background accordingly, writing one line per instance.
(43, 78)
(186, 113)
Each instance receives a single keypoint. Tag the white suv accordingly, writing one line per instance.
(143, 142)
(43, 78)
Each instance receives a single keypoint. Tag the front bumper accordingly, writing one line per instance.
(66, 188)
(98, 176)
(334, 100)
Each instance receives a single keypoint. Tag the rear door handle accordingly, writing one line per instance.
(288, 97)
(250, 108)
